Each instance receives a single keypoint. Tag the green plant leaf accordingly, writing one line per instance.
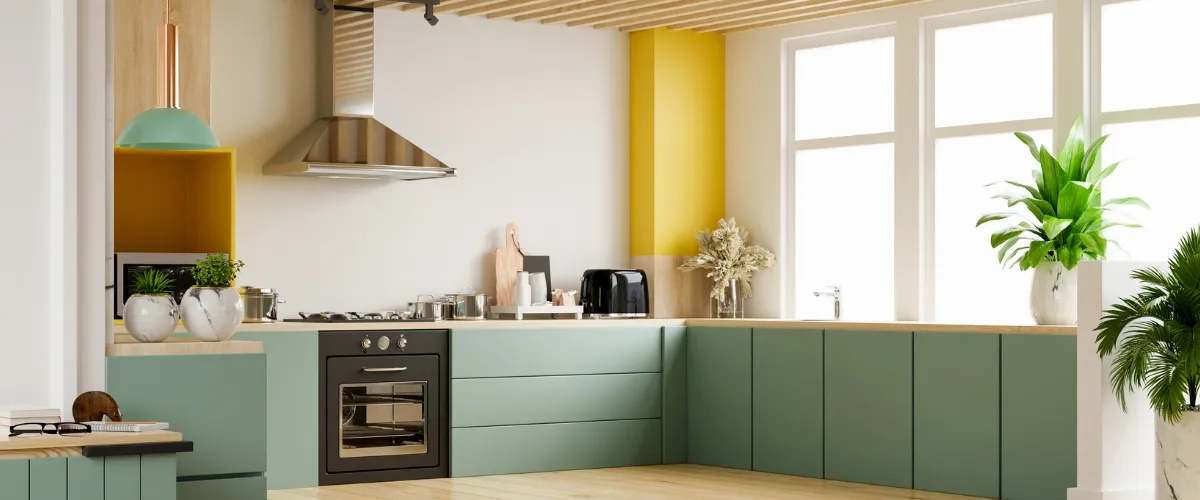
(1090, 157)
(994, 216)
(1133, 200)
(1055, 226)
(1033, 146)
(1070, 257)
(1073, 200)
(1052, 175)
(1003, 235)
(1104, 174)
(1003, 253)
(1037, 253)
(1070, 157)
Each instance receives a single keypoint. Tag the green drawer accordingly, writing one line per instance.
(554, 351)
(1037, 416)
(483, 451)
(218, 401)
(478, 402)
(238, 488)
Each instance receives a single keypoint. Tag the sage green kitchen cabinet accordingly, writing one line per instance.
(217, 401)
(131, 477)
(293, 436)
(956, 413)
(719, 397)
(14, 479)
(48, 479)
(788, 406)
(1037, 401)
(674, 407)
(515, 449)
(234, 488)
(489, 353)
(85, 478)
(868, 407)
(480, 402)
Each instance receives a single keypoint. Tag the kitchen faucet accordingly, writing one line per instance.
(836, 293)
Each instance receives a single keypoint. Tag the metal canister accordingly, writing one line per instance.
(260, 305)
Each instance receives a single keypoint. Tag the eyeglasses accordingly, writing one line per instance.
(66, 429)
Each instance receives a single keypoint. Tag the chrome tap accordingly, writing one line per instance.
(836, 293)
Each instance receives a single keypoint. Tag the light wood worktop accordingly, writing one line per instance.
(898, 326)
(58, 446)
(178, 346)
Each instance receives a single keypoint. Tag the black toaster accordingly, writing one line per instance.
(615, 293)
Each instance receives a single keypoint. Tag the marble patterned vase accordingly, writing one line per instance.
(1178, 458)
(150, 318)
(212, 314)
(1054, 294)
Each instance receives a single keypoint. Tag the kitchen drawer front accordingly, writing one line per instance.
(481, 402)
(483, 451)
(236, 488)
(554, 351)
(219, 401)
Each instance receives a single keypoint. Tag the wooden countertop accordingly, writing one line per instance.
(58, 446)
(899, 326)
(179, 346)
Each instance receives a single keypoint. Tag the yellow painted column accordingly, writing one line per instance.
(677, 159)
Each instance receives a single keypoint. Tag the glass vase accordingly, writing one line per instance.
(731, 304)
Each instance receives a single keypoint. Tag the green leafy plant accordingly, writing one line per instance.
(152, 282)
(1063, 218)
(728, 256)
(216, 270)
(1161, 347)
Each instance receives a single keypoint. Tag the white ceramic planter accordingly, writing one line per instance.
(1054, 294)
(212, 314)
(1178, 459)
(150, 318)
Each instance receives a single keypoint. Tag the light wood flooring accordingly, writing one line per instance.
(629, 483)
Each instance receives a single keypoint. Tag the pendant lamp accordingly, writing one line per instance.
(167, 126)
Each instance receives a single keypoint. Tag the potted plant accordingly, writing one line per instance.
(150, 313)
(731, 262)
(212, 310)
(1156, 337)
(1062, 222)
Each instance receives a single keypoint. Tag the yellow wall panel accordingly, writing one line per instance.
(641, 143)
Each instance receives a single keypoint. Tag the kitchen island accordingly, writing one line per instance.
(101, 465)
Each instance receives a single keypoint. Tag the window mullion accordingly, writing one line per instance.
(908, 172)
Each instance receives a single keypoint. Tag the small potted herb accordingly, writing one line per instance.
(150, 314)
(212, 309)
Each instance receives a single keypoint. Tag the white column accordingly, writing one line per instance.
(1115, 457)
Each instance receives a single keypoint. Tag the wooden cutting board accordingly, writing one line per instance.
(509, 262)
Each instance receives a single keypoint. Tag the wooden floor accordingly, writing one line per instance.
(630, 483)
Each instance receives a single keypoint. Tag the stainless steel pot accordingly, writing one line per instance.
(434, 309)
(260, 305)
(468, 305)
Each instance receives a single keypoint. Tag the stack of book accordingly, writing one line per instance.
(16, 415)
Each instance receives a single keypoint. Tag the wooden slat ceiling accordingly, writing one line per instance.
(720, 16)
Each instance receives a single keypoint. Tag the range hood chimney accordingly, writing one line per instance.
(347, 141)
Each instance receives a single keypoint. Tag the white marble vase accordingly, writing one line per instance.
(211, 314)
(1054, 294)
(1178, 458)
(150, 318)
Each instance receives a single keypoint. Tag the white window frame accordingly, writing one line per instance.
(913, 135)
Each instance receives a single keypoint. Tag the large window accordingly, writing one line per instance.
(843, 173)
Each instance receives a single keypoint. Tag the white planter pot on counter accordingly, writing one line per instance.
(212, 314)
(150, 318)
(1178, 458)
(1054, 295)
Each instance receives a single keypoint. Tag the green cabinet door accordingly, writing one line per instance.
(1037, 401)
(218, 401)
(85, 478)
(868, 407)
(719, 397)
(123, 477)
(788, 402)
(674, 393)
(956, 413)
(48, 479)
(14, 479)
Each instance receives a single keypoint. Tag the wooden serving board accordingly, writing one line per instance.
(509, 262)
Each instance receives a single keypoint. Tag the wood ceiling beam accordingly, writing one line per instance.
(436, 8)
(661, 9)
(605, 8)
(759, 23)
(759, 12)
(589, 6)
(495, 7)
(464, 5)
(537, 8)
(696, 12)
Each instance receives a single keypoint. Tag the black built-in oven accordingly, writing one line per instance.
(384, 400)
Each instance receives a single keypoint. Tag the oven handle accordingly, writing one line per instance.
(378, 370)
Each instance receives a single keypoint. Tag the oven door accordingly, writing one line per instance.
(381, 412)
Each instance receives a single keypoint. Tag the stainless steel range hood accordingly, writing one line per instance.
(347, 141)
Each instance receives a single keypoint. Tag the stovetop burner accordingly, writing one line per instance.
(356, 317)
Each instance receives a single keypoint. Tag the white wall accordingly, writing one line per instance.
(24, 211)
(534, 117)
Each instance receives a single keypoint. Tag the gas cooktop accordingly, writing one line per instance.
(357, 317)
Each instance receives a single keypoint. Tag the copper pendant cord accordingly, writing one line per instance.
(168, 61)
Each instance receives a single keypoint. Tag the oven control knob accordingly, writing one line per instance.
(384, 343)
(366, 343)
(401, 342)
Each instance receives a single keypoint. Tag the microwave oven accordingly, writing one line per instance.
(177, 266)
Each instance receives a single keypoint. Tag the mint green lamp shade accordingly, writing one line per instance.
(167, 128)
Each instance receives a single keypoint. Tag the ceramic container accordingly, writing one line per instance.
(150, 318)
(522, 293)
(537, 289)
(1054, 294)
(212, 314)
(1177, 454)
